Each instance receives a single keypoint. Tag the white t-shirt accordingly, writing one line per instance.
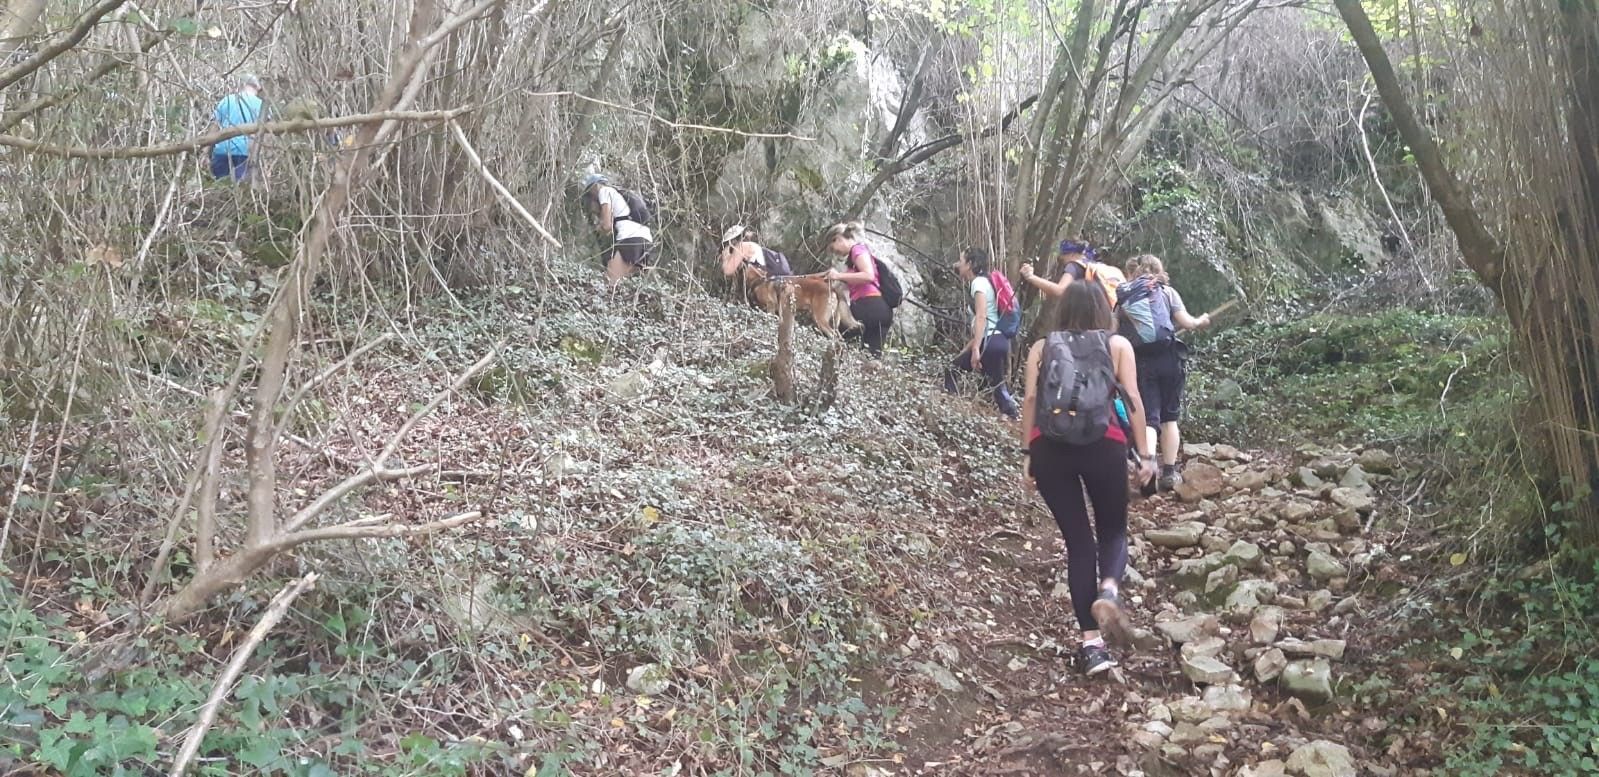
(990, 301)
(624, 229)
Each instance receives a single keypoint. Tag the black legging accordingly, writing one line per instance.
(876, 317)
(1093, 551)
(996, 356)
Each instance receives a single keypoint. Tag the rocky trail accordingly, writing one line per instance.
(1257, 594)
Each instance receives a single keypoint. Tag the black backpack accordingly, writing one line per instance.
(776, 263)
(888, 283)
(1077, 388)
(638, 211)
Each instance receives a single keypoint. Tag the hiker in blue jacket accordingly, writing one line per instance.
(231, 158)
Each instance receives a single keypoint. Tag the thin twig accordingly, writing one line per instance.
(669, 122)
(323, 376)
(208, 714)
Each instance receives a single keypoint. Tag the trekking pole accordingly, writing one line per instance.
(1223, 308)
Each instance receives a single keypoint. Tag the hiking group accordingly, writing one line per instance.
(1102, 395)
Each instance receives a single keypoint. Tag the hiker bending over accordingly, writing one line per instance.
(621, 221)
(1149, 314)
(988, 349)
(861, 274)
(1078, 261)
(1072, 442)
(743, 256)
(231, 158)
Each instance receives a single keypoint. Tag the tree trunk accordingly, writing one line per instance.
(783, 360)
(1555, 321)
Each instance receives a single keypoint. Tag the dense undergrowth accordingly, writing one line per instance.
(651, 513)
(1506, 630)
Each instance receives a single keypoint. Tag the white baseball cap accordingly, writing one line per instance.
(733, 233)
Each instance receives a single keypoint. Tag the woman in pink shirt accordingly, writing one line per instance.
(866, 302)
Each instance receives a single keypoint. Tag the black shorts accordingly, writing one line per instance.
(635, 251)
(1161, 376)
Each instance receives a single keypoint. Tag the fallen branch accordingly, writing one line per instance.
(499, 188)
(213, 703)
(378, 471)
(60, 45)
(214, 137)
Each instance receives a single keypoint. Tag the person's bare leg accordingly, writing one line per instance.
(1170, 443)
(617, 269)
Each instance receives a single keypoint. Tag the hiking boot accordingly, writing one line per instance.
(1094, 659)
(1170, 478)
(1107, 611)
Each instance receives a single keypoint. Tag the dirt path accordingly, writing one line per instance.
(1250, 594)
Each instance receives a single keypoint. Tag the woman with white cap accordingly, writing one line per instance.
(631, 242)
(743, 256)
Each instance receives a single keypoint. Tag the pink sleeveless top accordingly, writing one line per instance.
(864, 290)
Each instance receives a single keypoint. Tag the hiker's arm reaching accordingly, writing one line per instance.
(1048, 287)
(732, 260)
(607, 224)
(1186, 322)
(1121, 354)
(1029, 390)
(862, 263)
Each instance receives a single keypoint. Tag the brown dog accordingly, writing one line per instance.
(828, 303)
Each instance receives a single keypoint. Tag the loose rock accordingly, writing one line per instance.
(1321, 759)
(1266, 625)
(1271, 768)
(1355, 478)
(1209, 647)
(1269, 666)
(1249, 596)
(1201, 481)
(940, 676)
(1323, 567)
(1227, 698)
(1321, 648)
(1352, 499)
(1307, 478)
(1295, 512)
(1245, 555)
(1182, 535)
(1204, 670)
(1308, 680)
(1191, 629)
(649, 679)
(1377, 461)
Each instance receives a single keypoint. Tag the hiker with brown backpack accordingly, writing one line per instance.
(1072, 444)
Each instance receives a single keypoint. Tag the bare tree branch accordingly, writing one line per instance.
(499, 188)
(669, 122)
(931, 149)
(208, 139)
(367, 530)
(60, 45)
(275, 611)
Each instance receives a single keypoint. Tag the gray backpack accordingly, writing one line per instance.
(1077, 387)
